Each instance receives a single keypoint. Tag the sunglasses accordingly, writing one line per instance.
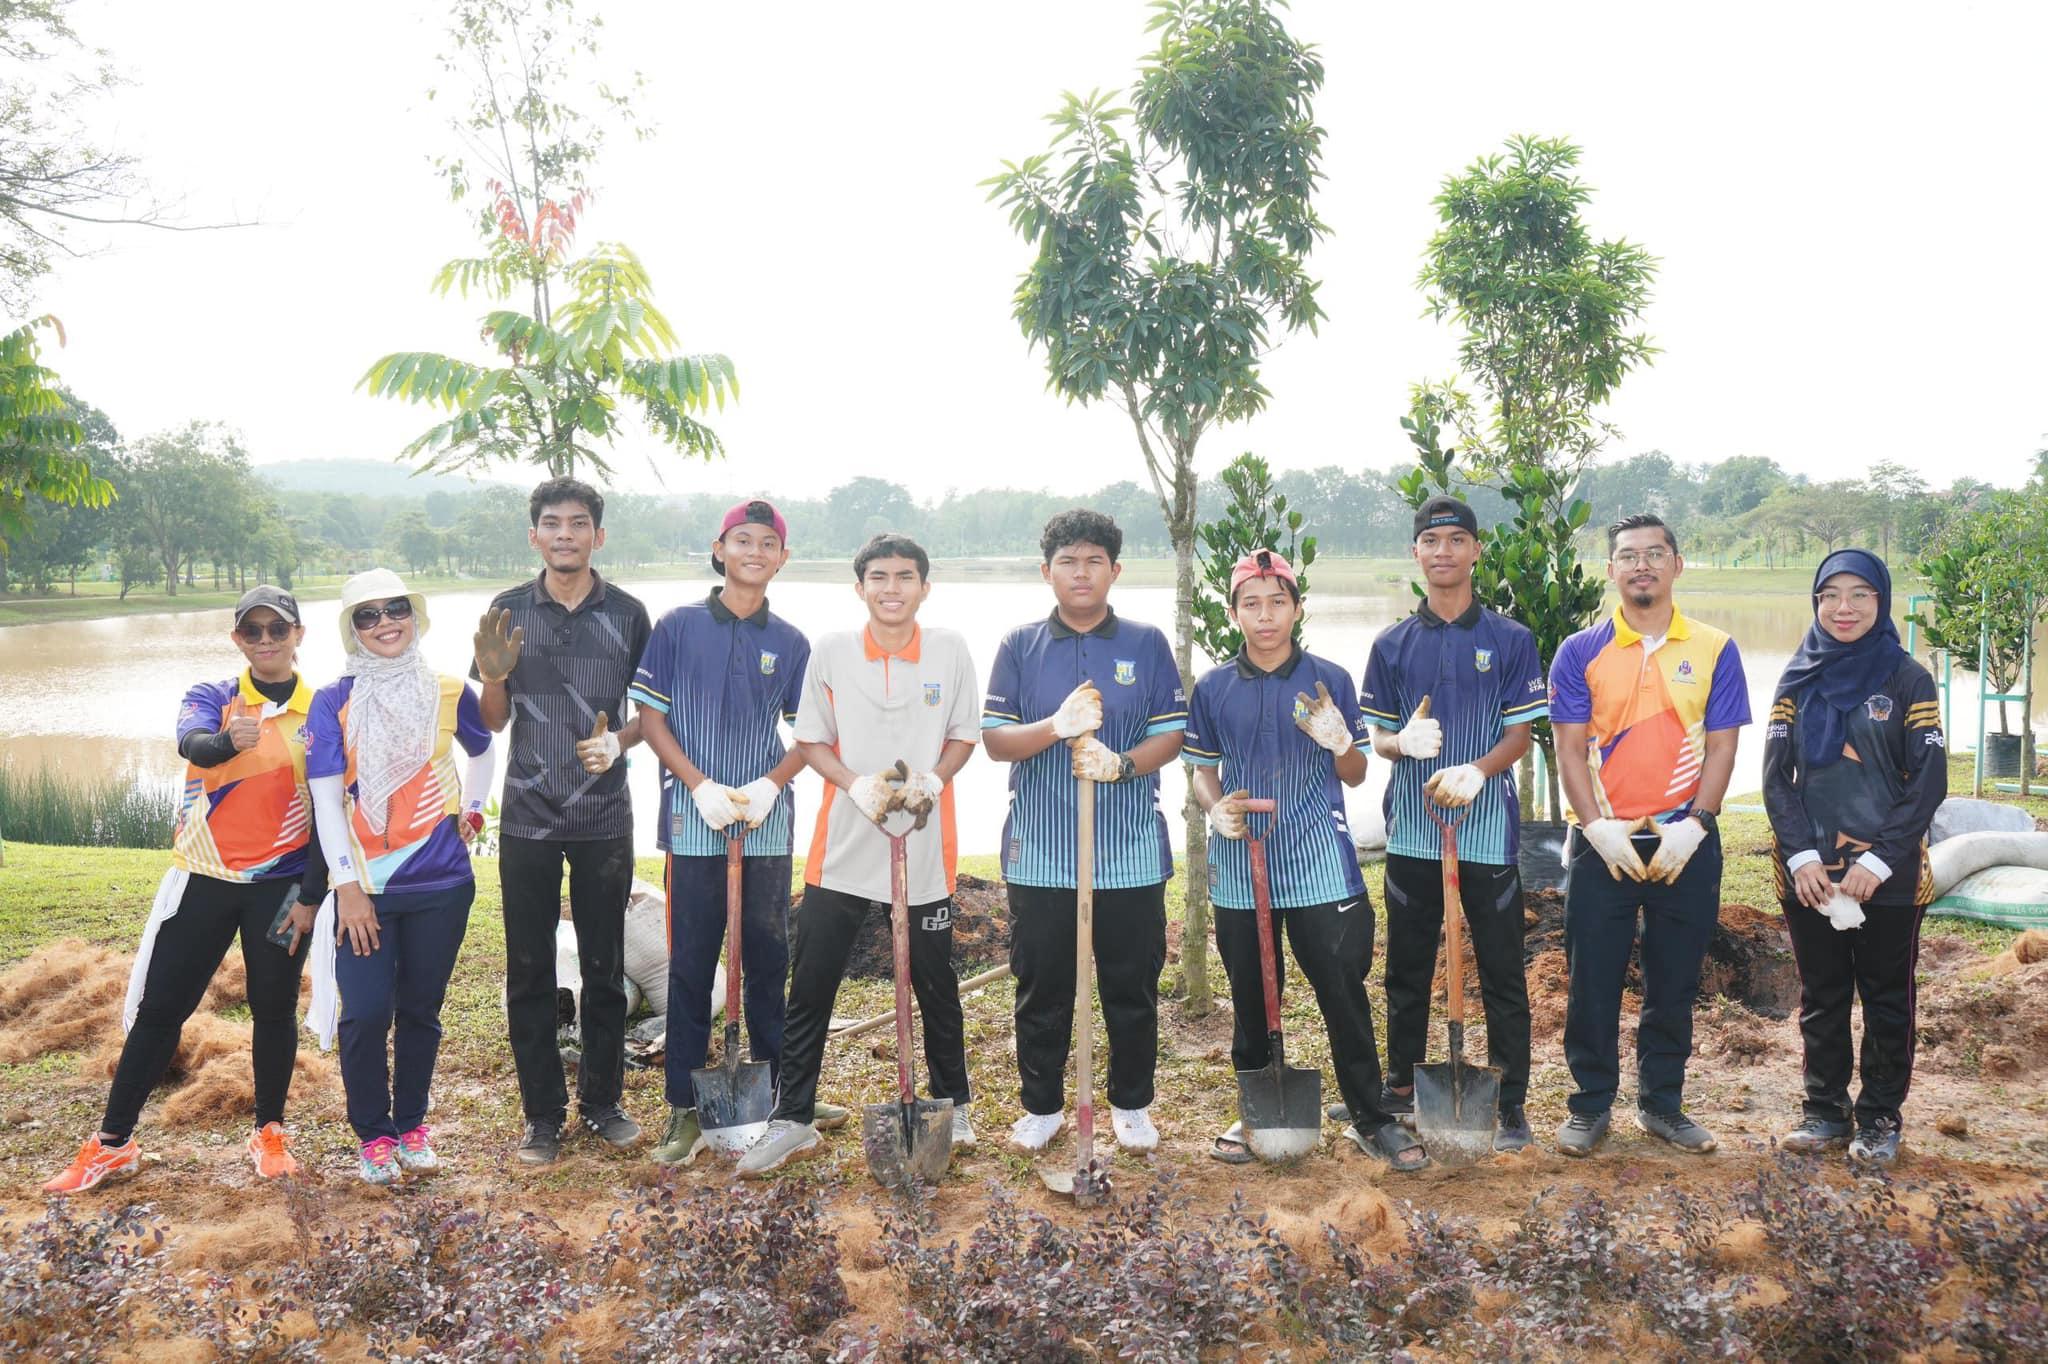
(249, 632)
(366, 617)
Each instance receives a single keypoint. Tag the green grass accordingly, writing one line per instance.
(106, 812)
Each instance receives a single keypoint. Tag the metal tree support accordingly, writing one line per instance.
(1945, 677)
(2025, 696)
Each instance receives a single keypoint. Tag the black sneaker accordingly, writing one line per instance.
(1678, 1130)
(1582, 1132)
(1876, 1143)
(1337, 1113)
(541, 1144)
(1397, 1105)
(617, 1130)
(1513, 1132)
(1817, 1134)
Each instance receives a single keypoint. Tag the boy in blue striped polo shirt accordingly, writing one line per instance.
(1085, 693)
(1254, 728)
(1485, 687)
(722, 673)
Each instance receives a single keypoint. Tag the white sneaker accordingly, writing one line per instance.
(1034, 1130)
(963, 1130)
(1134, 1129)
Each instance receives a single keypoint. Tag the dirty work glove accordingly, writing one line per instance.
(1610, 838)
(1452, 787)
(1844, 912)
(1080, 713)
(498, 644)
(1676, 844)
(1096, 760)
(601, 749)
(920, 796)
(874, 796)
(715, 804)
(1324, 722)
(1226, 816)
(756, 801)
(1421, 737)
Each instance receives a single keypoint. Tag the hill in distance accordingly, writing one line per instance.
(369, 477)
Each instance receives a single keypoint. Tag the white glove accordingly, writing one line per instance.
(1080, 713)
(1096, 760)
(715, 805)
(756, 801)
(601, 749)
(1452, 787)
(874, 796)
(919, 796)
(1844, 912)
(1421, 737)
(1226, 816)
(1676, 844)
(1610, 838)
(1324, 722)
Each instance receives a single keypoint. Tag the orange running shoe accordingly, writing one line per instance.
(268, 1154)
(95, 1163)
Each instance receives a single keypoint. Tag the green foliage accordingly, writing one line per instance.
(40, 435)
(1985, 577)
(1255, 517)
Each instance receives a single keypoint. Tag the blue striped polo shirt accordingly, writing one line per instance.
(1481, 675)
(1243, 719)
(723, 681)
(1132, 666)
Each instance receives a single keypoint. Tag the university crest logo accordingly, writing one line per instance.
(931, 693)
(1684, 673)
(1300, 708)
(767, 664)
(1126, 671)
(1878, 708)
(1482, 659)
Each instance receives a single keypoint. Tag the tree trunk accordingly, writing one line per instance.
(1194, 935)
(170, 575)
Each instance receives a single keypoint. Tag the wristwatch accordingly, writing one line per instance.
(1125, 769)
(1708, 820)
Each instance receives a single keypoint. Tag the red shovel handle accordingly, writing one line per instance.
(1262, 904)
(735, 871)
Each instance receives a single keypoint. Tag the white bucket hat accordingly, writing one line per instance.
(377, 584)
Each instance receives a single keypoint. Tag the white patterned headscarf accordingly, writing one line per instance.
(392, 715)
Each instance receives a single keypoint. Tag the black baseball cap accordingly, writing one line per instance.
(1443, 510)
(276, 598)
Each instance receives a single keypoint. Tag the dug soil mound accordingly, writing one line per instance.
(981, 931)
(1982, 1021)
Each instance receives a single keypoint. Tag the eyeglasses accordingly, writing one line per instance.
(1652, 558)
(366, 617)
(249, 632)
(1862, 598)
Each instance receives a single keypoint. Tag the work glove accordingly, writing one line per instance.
(875, 796)
(601, 749)
(1844, 912)
(1610, 838)
(1421, 737)
(1080, 713)
(1226, 816)
(756, 801)
(1323, 722)
(1675, 846)
(1096, 760)
(498, 644)
(1452, 787)
(715, 804)
(920, 796)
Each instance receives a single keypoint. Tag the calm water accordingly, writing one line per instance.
(101, 696)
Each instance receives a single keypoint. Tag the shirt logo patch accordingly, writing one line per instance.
(1878, 708)
(931, 693)
(1684, 673)
(1482, 659)
(1126, 671)
(1300, 708)
(767, 664)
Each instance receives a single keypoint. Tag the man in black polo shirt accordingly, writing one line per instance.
(555, 657)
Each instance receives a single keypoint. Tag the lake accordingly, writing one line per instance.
(102, 695)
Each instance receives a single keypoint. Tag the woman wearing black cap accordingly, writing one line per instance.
(1854, 768)
(240, 861)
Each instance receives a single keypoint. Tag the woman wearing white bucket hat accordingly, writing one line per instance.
(380, 765)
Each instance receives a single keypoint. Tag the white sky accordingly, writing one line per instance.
(1847, 200)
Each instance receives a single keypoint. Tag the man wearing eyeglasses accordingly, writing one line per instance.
(1647, 706)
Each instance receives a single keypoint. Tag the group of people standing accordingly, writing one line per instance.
(293, 793)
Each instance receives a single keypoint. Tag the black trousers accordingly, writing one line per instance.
(1492, 900)
(1875, 961)
(600, 880)
(1333, 948)
(827, 924)
(190, 946)
(1130, 952)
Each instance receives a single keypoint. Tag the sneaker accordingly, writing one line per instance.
(781, 1143)
(380, 1161)
(1395, 1104)
(829, 1117)
(1582, 1132)
(1876, 1143)
(612, 1125)
(1817, 1134)
(963, 1130)
(415, 1153)
(684, 1141)
(1337, 1113)
(541, 1144)
(1035, 1131)
(268, 1154)
(1513, 1132)
(1134, 1129)
(1678, 1130)
(95, 1162)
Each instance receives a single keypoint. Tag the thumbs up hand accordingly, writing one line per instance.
(1421, 737)
(601, 749)
(246, 730)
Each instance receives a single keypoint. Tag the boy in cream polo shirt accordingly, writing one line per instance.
(892, 690)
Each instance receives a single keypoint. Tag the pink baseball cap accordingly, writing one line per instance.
(1261, 563)
(758, 512)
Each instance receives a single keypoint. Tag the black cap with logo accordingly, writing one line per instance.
(276, 598)
(1441, 511)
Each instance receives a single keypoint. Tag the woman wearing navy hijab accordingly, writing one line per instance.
(1854, 768)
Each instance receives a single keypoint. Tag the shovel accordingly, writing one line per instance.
(1456, 1105)
(1084, 1184)
(911, 1139)
(1281, 1106)
(735, 1099)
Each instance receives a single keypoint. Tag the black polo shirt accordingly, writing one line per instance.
(574, 664)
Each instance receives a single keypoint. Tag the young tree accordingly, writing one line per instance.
(1171, 241)
(1255, 517)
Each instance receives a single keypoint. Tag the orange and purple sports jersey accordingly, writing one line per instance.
(1648, 713)
(249, 818)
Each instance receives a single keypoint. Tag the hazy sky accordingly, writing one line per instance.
(1847, 199)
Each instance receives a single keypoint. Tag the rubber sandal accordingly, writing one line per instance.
(1394, 1144)
(1230, 1148)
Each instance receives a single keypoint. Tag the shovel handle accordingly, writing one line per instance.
(1454, 925)
(899, 947)
(1262, 906)
(1084, 974)
(735, 871)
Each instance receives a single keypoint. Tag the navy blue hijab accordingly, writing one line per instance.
(1841, 676)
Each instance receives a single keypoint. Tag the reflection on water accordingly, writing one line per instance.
(101, 696)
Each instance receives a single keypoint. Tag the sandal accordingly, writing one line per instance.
(1394, 1144)
(1230, 1148)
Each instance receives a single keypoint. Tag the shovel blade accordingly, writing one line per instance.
(734, 1104)
(1085, 1187)
(1281, 1108)
(909, 1142)
(1457, 1107)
